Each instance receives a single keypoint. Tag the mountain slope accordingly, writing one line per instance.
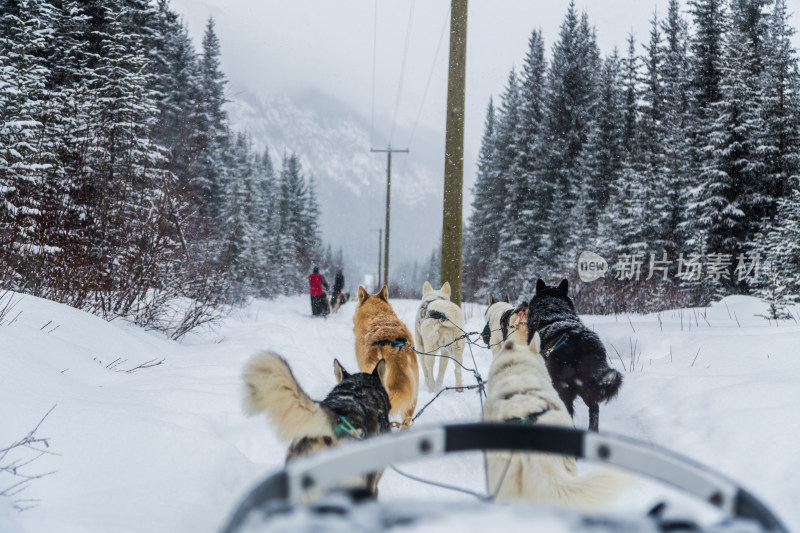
(334, 146)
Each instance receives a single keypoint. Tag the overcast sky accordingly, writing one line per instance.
(293, 46)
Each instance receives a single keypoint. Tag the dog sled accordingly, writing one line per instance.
(273, 505)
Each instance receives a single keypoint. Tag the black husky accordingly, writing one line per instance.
(356, 408)
(576, 358)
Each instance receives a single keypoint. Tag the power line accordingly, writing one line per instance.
(430, 76)
(374, 59)
(402, 69)
(427, 86)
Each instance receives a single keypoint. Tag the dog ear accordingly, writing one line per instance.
(492, 301)
(563, 287)
(339, 371)
(426, 288)
(540, 285)
(384, 294)
(362, 294)
(508, 299)
(536, 344)
(446, 289)
(380, 371)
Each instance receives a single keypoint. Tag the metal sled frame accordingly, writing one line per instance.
(324, 469)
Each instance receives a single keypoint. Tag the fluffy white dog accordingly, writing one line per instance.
(520, 391)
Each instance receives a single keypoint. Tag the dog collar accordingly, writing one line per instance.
(530, 418)
(346, 427)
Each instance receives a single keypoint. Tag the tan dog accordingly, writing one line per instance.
(439, 323)
(520, 391)
(381, 335)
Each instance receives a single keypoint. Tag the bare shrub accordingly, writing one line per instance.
(610, 296)
(15, 466)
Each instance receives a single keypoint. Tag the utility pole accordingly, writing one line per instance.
(380, 240)
(454, 151)
(388, 152)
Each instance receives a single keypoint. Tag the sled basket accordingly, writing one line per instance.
(278, 496)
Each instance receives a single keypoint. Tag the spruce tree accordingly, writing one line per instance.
(604, 160)
(730, 199)
(674, 75)
(780, 107)
(481, 235)
(25, 156)
(211, 127)
(511, 193)
(533, 194)
(571, 100)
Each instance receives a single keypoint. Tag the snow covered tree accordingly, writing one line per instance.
(24, 157)
(293, 261)
(571, 97)
(674, 76)
(310, 237)
(480, 244)
(176, 82)
(604, 159)
(245, 255)
(211, 130)
(533, 194)
(730, 198)
(509, 194)
(266, 222)
(780, 105)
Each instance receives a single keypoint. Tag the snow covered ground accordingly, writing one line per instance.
(166, 448)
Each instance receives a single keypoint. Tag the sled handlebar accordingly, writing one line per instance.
(324, 469)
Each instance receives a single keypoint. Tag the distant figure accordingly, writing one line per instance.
(338, 285)
(319, 302)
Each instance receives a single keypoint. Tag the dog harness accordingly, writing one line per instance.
(347, 428)
(563, 340)
(531, 418)
(423, 309)
(399, 343)
(384, 423)
(437, 315)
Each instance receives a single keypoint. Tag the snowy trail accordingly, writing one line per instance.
(167, 449)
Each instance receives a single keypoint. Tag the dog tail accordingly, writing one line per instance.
(549, 481)
(270, 387)
(608, 382)
(592, 490)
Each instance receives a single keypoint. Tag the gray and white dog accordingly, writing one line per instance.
(439, 327)
(356, 408)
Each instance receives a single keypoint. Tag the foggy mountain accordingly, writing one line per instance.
(333, 144)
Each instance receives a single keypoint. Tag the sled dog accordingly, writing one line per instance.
(380, 334)
(520, 392)
(438, 324)
(356, 408)
(338, 300)
(576, 357)
(502, 318)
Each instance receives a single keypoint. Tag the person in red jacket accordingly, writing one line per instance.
(319, 301)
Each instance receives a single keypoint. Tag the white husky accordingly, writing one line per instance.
(502, 319)
(439, 323)
(520, 391)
